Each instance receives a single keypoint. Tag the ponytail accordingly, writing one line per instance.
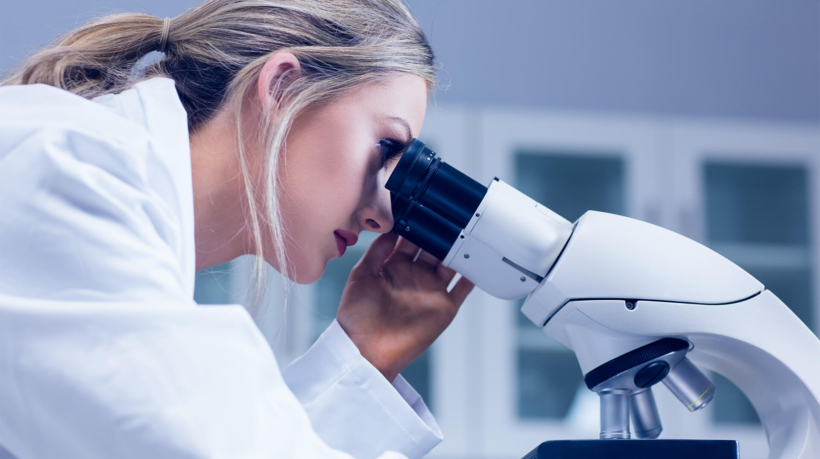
(94, 59)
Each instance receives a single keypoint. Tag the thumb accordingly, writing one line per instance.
(375, 256)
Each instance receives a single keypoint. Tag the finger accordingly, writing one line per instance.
(445, 274)
(427, 258)
(460, 291)
(406, 247)
(375, 255)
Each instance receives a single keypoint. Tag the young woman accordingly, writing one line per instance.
(268, 127)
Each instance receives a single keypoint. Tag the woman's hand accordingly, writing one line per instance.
(394, 308)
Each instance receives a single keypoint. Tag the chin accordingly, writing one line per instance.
(308, 274)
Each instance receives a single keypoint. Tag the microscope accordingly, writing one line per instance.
(637, 304)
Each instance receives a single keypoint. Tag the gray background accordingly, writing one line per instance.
(726, 58)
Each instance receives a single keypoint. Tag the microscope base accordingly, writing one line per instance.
(635, 449)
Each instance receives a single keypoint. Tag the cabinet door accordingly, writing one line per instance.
(533, 388)
(749, 191)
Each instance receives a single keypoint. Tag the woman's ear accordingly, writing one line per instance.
(279, 71)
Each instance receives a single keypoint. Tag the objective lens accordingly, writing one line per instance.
(614, 414)
(431, 200)
(645, 415)
(690, 385)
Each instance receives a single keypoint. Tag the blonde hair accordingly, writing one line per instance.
(215, 52)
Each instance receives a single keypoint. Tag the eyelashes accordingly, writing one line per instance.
(391, 149)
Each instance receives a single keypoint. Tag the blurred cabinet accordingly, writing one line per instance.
(751, 193)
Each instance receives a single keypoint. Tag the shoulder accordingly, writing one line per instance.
(143, 120)
(139, 136)
(28, 109)
(42, 126)
(50, 138)
(102, 180)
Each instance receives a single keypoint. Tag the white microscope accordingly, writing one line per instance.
(638, 305)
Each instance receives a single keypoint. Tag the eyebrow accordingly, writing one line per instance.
(406, 125)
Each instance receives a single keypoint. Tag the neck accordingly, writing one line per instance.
(219, 193)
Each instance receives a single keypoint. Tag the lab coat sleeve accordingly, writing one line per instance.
(101, 381)
(353, 407)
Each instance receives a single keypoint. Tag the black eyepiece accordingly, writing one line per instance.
(431, 200)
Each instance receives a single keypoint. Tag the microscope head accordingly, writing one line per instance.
(495, 236)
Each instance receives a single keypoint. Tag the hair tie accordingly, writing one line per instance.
(166, 30)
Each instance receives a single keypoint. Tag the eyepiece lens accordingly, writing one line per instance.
(431, 200)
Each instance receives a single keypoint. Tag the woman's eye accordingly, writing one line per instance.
(390, 149)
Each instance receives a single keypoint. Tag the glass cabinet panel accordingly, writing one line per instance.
(570, 183)
(214, 285)
(757, 216)
(754, 204)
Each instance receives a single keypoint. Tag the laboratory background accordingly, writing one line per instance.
(701, 116)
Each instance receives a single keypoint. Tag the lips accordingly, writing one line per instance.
(344, 239)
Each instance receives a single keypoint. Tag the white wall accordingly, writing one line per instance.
(724, 58)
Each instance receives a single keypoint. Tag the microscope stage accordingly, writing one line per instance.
(635, 449)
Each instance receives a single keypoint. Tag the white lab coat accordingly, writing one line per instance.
(103, 352)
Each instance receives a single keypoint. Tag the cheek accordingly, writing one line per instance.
(332, 189)
(321, 189)
(325, 204)
(330, 164)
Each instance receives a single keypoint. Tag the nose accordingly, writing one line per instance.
(377, 215)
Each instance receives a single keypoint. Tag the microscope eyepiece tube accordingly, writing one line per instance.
(431, 200)
(614, 414)
(690, 385)
(645, 417)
